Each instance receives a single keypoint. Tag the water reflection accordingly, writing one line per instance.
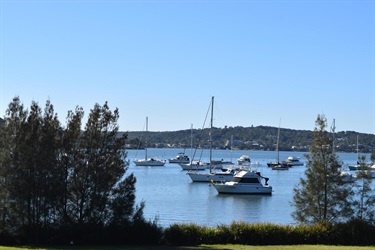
(240, 207)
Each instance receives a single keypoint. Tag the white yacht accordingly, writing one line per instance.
(347, 176)
(221, 162)
(244, 160)
(244, 182)
(212, 176)
(180, 158)
(194, 165)
(292, 161)
(152, 162)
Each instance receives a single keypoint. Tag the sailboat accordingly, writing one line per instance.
(357, 166)
(212, 176)
(278, 165)
(274, 163)
(193, 164)
(152, 161)
(345, 175)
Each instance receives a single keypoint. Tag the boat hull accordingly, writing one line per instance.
(209, 177)
(149, 163)
(223, 188)
(292, 161)
(280, 167)
(272, 164)
(195, 165)
(357, 167)
(244, 160)
(294, 164)
(180, 158)
(221, 163)
(178, 161)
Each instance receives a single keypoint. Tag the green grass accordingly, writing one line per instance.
(205, 247)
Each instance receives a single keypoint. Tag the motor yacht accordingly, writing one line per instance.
(244, 182)
(244, 160)
(180, 158)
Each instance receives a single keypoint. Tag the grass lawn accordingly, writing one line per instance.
(204, 247)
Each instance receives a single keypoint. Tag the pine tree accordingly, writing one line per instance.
(322, 196)
(97, 168)
(365, 198)
(10, 144)
(57, 178)
(372, 157)
(29, 146)
(69, 156)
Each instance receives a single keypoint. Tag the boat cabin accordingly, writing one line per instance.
(249, 177)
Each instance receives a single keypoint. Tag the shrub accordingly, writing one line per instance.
(183, 234)
(355, 232)
(350, 233)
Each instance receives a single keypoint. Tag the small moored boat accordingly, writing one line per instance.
(194, 165)
(212, 176)
(293, 161)
(150, 162)
(244, 160)
(244, 182)
(180, 158)
(280, 166)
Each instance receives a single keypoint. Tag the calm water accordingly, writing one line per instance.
(172, 197)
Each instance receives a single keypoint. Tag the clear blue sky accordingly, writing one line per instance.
(262, 60)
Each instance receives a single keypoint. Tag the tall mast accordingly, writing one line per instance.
(191, 140)
(231, 147)
(146, 138)
(277, 144)
(212, 114)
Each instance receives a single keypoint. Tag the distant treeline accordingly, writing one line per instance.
(249, 138)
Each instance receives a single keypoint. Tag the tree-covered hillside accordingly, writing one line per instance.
(256, 138)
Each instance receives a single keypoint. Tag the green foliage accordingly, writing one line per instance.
(66, 184)
(372, 157)
(254, 233)
(322, 196)
(252, 138)
(365, 198)
(349, 233)
(319, 233)
(184, 234)
(355, 232)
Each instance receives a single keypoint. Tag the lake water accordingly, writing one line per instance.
(172, 197)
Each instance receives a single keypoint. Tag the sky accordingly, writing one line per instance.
(266, 63)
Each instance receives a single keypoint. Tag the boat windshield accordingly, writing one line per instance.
(245, 180)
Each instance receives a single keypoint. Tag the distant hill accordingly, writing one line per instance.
(253, 138)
